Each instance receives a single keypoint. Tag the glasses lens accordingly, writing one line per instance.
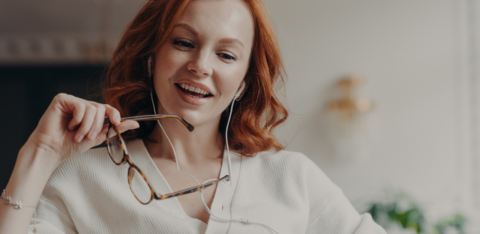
(139, 186)
(114, 146)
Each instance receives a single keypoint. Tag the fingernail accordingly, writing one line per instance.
(80, 138)
(117, 119)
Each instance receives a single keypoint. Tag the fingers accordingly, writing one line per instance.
(78, 113)
(103, 110)
(98, 130)
(88, 117)
(87, 122)
(70, 106)
(113, 114)
(97, 122)
(93, 120)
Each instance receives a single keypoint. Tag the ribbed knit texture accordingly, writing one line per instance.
(284, 190)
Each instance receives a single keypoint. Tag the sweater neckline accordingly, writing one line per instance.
(223, 197)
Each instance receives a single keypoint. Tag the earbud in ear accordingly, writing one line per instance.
(240, 91)
(149, 64)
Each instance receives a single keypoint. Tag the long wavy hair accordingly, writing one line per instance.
(127, 84)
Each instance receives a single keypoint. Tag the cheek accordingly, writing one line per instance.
(229, 85)
(232, 79)
(168, 63)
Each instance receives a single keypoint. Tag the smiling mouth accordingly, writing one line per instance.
(193, 92)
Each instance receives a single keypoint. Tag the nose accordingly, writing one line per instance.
(200, 65)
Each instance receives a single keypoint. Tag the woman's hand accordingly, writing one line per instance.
(72, 125)
(69, 127)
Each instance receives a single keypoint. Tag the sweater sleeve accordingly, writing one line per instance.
(333, 213)
(51, 220)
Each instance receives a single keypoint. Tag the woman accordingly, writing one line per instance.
(203, 60)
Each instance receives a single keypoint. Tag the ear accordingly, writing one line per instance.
(241, 91)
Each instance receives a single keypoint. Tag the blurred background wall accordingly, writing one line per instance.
(419, 64)
(418, 61)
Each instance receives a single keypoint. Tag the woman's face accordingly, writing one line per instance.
(200, 66)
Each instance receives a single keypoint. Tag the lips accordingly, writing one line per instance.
(193, 93)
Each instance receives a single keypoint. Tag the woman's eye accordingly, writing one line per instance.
(227, 57)
(183, 43)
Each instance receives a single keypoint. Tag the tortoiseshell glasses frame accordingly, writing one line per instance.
(131, 172)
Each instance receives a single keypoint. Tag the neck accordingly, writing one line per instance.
(204, 144)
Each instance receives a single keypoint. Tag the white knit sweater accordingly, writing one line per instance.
(284, 190)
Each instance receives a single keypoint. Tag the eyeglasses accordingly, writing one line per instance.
(137, 180)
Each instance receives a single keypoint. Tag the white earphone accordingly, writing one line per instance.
(239, 91)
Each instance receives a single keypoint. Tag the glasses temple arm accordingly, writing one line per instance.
(191, 189)
(153, 117)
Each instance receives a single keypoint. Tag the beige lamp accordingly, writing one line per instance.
(348, 128)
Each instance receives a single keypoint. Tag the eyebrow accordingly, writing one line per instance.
(188, 27)
(231, 41)
(222, 41)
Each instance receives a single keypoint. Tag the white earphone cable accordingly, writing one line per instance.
(168, 138)
(229, 170)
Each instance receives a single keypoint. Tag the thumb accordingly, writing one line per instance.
(122, 127)
(127, 125)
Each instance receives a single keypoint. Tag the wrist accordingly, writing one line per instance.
(33, 156)
(36, 152)
(32, 170)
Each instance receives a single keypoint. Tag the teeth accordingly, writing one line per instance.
(193, 89)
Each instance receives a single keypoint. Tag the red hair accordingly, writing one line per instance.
(254, 117)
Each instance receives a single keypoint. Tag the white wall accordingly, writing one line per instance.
(408, 51)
